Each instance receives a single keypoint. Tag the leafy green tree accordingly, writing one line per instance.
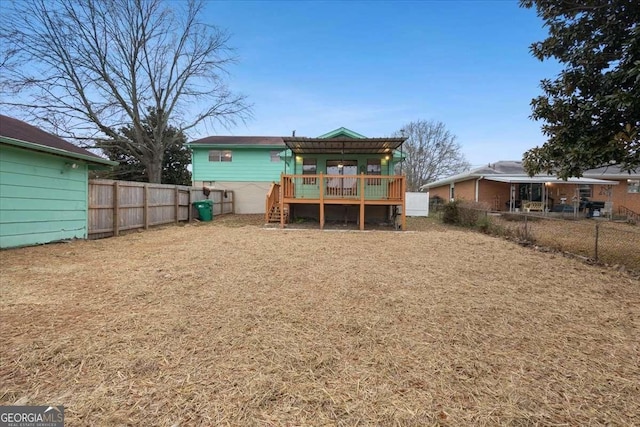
(175, 160)
(592, 109)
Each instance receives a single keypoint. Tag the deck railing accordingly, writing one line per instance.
(343, 187)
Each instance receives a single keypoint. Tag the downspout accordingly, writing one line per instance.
(478, 188)
(193, 170)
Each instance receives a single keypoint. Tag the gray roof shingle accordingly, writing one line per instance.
(17, 129)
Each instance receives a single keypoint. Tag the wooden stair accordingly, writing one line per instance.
(274, 214)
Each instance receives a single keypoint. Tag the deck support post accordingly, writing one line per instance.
(281, 201)
(321, 201)
(404, 202)
(361, 201)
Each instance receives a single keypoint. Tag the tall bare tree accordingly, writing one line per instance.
(90, 67)
(431, 153)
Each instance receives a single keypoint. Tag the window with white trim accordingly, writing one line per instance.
(633, 186)
(586, 191)
(275, 156)
(220, 156)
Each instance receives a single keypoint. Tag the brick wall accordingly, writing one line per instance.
(494, 194)
(465, 190)
(441, 191)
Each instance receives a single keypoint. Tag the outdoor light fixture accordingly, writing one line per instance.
(72, 165)
(386, 157)
(69, 166)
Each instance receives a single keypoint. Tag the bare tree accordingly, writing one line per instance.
(87, 68)
(431, 153)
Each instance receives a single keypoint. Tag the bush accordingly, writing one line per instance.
(466, 214)
(469, 216)
(451, 213)
(436, 204)
(485, 225)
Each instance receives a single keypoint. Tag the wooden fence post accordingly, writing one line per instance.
(145, 206)
(116, 208)
(597, 235)
(176, 196)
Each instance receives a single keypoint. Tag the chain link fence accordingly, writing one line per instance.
(615, 243)
(608, 242)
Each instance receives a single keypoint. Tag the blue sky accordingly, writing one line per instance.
(373, 66)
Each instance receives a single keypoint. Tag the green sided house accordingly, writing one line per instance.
(341, 175)
(246, 165)
(43, 186)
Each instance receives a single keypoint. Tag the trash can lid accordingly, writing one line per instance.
(202, 202)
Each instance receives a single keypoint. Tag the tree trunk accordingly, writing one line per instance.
(154, 171)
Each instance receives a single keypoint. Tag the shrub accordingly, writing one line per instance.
(485, 225)
(436, 204)
(469, 216)
(451, 213)
(466, 214)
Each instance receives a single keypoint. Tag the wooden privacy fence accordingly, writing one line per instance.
(116, 206)
(223, 200)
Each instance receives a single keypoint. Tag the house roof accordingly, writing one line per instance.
(18, 133)
(275, 141)
(539, 179)
(338, 141)
(342, 131)
(512, 169)
(610, 172)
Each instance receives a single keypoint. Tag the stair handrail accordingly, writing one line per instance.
(273, 198)
(630, 214)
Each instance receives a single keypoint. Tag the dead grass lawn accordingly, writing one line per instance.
(618, 243)
(227, 323)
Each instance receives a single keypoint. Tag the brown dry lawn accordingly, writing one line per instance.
(618, 243)
(228, 323)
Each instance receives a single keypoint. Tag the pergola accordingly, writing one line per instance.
(342, 145)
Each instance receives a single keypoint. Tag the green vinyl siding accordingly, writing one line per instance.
(42, 199)
(247, 164)
(254, 164)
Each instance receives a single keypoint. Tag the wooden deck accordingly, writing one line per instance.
(362, 190)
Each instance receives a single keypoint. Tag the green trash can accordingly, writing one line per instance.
(205, 209)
